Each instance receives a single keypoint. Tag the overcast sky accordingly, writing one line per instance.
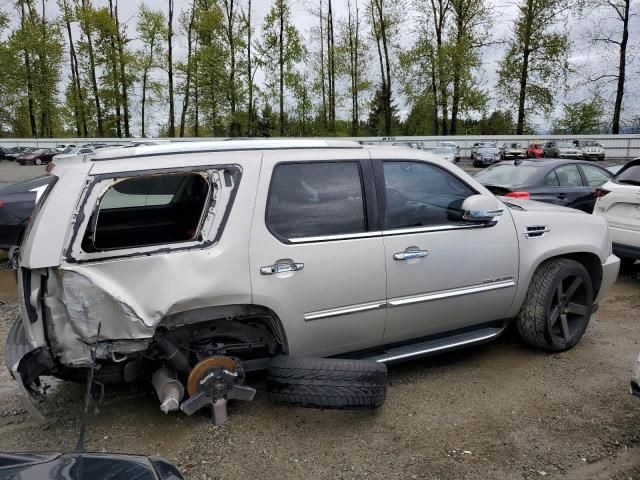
(585, 58)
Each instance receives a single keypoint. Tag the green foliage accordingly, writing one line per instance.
(536, 63)
(581, 118)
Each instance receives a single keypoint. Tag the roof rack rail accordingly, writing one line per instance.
(217, 146)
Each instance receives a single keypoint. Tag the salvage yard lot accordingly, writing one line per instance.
(501, 410)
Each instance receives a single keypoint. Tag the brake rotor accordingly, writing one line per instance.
(203, 367)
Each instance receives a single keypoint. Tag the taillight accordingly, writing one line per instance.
(1, 203)
(50, 166)
(522, 195)
(600, 192)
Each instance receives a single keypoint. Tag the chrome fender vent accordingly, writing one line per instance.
(536, 231)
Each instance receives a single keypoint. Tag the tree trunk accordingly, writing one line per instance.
(524, 73)
(622, 65)
(145, 74)
(323, 85)
(172, 126)
(455, 100)
(123, 77)
(114, 75)
(196, 113)
(281, 64)
(331, 68)
(72, 61)
(249, 75)
(385, 48)
(234, 126)
(27, 66)
(92, 74)
(434, 94)
(187, 86)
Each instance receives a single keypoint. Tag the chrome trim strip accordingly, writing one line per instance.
(438, 228)
(439, 347)
(335, 312)
(328, 238)
(398, 301)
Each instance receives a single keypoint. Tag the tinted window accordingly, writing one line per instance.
(595, 176)
(569, 176)
(316, 199)
(629, 175)
(419, 194)
(506, 174)
(551, 179)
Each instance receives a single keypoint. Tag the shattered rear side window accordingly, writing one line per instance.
(148, 210)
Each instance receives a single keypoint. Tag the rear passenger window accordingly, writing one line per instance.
(551, 179)
(148, 210)
(316, 199)
(569, 176)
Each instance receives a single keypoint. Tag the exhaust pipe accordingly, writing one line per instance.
(168, 388)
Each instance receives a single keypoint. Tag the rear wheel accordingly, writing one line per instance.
(558, 305)
(37, 161)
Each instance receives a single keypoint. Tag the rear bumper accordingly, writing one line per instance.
(16, 350)
(610, 269)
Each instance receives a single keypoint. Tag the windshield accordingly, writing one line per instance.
(590, 143)
(564, 145)
(506, 174)
(488, 150)
(68, 150)
(514, 145)
(443, 150)
(535, 145)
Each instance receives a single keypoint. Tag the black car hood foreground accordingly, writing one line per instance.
(84, 466)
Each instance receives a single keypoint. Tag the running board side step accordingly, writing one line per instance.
(439, 345)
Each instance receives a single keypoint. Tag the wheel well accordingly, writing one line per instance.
(592, 263)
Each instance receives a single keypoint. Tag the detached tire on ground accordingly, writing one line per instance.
(327, 383)
(558, 305)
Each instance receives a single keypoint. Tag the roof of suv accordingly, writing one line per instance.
(215, 146)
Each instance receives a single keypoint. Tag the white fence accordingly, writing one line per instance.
(616, 146)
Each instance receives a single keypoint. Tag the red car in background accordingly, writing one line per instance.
(535, 150)
(37, 157)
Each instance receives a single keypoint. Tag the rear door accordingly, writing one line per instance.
(566, 187)
(316, 250)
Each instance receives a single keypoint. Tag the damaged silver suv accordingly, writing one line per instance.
(191, 264)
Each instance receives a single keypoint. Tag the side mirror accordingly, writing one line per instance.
(481, 209)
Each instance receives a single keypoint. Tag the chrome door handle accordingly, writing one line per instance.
(410, 254)
(281, 268)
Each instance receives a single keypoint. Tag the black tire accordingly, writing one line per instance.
(107, 374)
(327, 383)
(539, 323)
(627, 262)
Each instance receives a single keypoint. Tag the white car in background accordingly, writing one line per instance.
(619, 203)
(71, 152)
(446, 153)
(455, 147)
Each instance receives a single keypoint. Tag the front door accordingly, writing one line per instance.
(443, 273)
(316, 255)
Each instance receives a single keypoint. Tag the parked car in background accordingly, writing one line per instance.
(535, 150)
(3, 153)
(40, 156)
(567, 183)
(619, 203)
(476, 146)
(561, 149)
(71, 152)
(16, 205)
(14, 152)
(513, 150)
(486, 156)
(456, 149)
(64, 146)
(590, 149)
(446, 153)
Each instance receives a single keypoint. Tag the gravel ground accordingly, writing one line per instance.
(496, 411)
(11, 172)
(499, 411)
